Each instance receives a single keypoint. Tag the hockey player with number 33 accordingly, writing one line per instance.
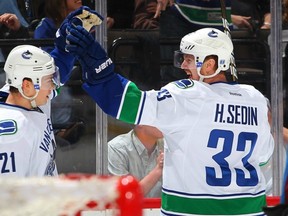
(217, 131)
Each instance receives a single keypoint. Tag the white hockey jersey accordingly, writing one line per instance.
(217, 137)
(27, 143)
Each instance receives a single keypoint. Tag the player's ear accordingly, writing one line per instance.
(27, 86)
(26, 83)
(212, 62)
(210, 65)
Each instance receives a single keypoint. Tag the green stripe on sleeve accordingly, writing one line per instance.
(132, 99)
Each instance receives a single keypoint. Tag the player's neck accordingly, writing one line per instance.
(218, 78)
(18, 100)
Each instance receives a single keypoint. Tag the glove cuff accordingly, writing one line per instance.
(60, 40)
(98, 75)
(102, 80)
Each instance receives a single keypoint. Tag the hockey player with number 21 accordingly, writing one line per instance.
(27, 143)
(217, 131)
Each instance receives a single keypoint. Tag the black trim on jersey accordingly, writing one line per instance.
(38, 109)
(3, 96)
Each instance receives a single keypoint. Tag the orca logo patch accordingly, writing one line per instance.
(213, 34)
(184, 83)
(8, 127)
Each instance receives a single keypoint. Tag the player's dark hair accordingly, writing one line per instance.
(229, 76)
(12, 89)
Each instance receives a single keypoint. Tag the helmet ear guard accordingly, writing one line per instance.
(27, 61)
(206, 42)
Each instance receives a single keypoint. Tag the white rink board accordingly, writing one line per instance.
(146, 212)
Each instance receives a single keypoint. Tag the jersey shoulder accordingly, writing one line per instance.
(187, 88)
(19, 118)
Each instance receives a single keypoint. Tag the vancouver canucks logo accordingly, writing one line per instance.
(213, 34)
(184, 83)
(8, 127)
(27, 54)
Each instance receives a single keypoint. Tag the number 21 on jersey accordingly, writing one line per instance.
(7, 162)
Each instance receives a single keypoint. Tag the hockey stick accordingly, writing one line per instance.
(227, 31)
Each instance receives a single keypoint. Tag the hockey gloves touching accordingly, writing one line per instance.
(83, 16)
(96, 66)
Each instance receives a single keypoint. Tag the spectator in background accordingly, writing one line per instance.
(139, 153)
(251, 14)
(119, 14)
(55, 12)
(12, 24)
(180, 17)
(144, 15)
(11, 28)
(11, 6)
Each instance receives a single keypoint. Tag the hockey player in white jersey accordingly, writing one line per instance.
(217, 131)
(27, 143)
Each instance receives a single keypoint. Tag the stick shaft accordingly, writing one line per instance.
(227, 31)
